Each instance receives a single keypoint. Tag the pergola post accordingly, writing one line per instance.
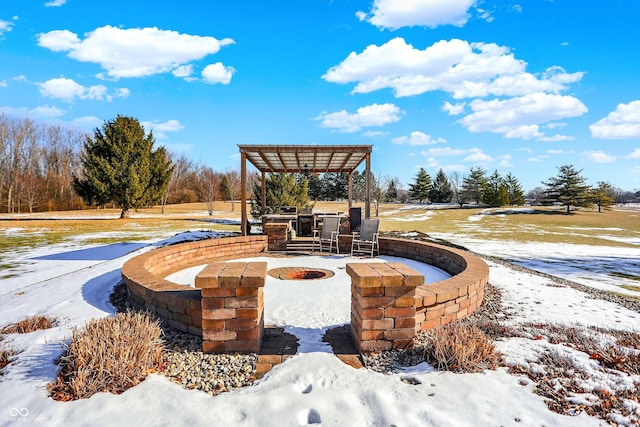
(263, 194)
(367, 190)
(350, 193)
(243, 193)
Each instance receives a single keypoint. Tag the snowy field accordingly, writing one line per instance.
(72, 282)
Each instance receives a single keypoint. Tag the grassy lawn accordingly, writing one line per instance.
(611, 228)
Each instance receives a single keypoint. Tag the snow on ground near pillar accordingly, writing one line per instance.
(311, 388)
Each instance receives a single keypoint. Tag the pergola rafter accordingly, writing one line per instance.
(303, 158)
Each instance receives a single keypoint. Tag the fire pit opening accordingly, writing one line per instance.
(300, 273)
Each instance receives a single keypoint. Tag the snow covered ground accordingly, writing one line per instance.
(72, 282)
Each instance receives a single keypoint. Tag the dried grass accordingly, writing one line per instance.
(30, 324)
(5, 357)
(617, 352)
(460, 347)
(109, 355)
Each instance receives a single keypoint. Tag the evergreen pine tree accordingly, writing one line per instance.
(421, 187)
(495, 191)
(392, 190)
(225, 188)
(119, 165)
(516, 194)
(441, 192)
(473, 186)
(568, 189)
(282, 189)
(603, 195)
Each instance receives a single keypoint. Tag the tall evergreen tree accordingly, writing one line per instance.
(392, 190)
(516, 194)
(282, 189)
(474, 185)
(119, 165)
(441, 192)
(495, 191)
(421, 186)
(568, 188)
(603, 195)
(225, 188)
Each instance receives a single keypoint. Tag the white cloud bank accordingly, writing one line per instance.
(418, 138)
(519, 102)
(68, 90)
(394, 14)
(623, 123)
(368, 116)
(133, 52)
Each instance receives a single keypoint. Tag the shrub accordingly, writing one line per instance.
(30, 324)
(460, 348)
(5, 357)
(109, 355)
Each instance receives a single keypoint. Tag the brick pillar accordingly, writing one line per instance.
(276, 235)
(232, 306)
(383, 305)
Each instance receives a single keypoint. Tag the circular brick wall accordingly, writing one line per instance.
(180, 306)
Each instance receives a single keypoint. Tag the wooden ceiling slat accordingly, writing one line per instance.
(292, 158)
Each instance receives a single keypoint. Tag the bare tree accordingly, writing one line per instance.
(233, 178)
(456, 180)
(183, 180)
(209, 185)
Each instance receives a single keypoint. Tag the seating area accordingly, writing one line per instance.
(327, 234)
(366, 240)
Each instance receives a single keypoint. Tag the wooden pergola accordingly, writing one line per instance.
(303, 158)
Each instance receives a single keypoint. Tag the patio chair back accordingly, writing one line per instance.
(368, 229)
(329, 225)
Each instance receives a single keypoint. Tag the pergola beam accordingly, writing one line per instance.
(293, 158)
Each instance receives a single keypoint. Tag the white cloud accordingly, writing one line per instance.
(3, 83)
(504, 160)
(41, 112)
(453, 109)
(635, 154)
(599, 156)
(68, 90)
(370, 115)
(557, 152)
(534, 160)
(5, 26)
(556, 138)
(479, 157)
(183, 71)
(160, 129)
(556, 125)
(526, 150)
(374, 134)
(453, 168)
(55, 3)
(87, 123)
(448, 151)
(133, 52)
(622, 123)
(218, 73)
(394, 14)
(460, 68)
(418, 138)
(520, 117)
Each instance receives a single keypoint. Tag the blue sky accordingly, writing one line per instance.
(514, 86)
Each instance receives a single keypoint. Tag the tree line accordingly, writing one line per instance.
(50, 167)
(38, 164)
(568, 189)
